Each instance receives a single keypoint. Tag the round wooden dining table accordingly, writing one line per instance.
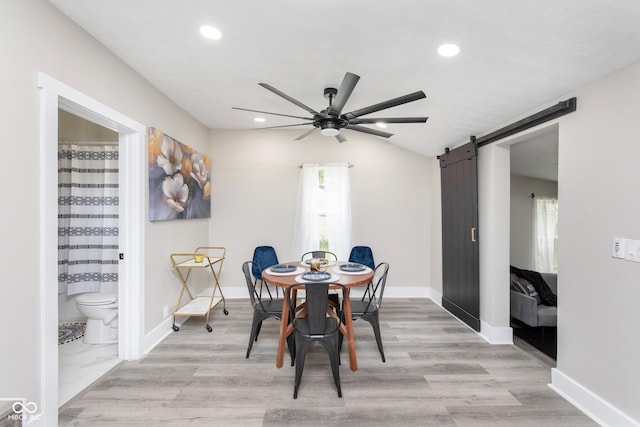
(347, 279)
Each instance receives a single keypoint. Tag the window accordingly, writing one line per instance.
(323, 219)
(545, 234)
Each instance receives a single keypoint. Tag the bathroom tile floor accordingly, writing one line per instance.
(80, 364)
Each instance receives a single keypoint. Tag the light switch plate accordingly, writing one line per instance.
(618, 249)
(632, 250)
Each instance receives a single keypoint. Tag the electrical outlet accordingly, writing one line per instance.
(165, 311)
(618, 248)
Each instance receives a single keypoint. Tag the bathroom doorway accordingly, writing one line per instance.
(55, 96)
(88, 246)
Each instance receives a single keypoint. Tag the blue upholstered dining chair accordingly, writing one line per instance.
(263, 257)
(362, 255)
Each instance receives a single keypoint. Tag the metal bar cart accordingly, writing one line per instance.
(211, 257)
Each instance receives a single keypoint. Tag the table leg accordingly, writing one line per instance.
(284, 323)
(348, 323)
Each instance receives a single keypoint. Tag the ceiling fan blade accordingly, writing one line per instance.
(344, 92)
(386, 104)
(373, 120)
(288, 98)
(285, 126)
(305, 134)
(369, 131)
(340, 137)
(273, 114)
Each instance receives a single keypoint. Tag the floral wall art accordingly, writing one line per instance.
(179, 180)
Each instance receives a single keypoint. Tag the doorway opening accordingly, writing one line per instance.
(88, 221)
(55, 96)
(534, 177)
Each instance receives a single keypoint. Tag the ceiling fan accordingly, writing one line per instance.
(331, 120)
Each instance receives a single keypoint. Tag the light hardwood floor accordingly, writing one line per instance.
(438, 372)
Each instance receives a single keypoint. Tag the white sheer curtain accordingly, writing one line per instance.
(324, 210)
(88, 218)
(545, 234)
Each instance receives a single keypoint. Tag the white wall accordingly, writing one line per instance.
(35, 37)
(521, 216)
(255, 184)
(493, 238)
(598, 316)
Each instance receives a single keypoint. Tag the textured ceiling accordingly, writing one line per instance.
(515, 55)
(535, 155)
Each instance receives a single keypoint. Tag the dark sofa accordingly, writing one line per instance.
(527, 310)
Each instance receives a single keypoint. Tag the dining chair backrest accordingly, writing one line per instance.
(262, 309)
(317, 298)
(263, 257)
(375, 290)
(256, 301)
(368, 308)
(319, 325)
(319, 254)
(362, 255)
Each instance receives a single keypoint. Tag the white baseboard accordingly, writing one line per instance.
(406, 292)
(496, 335)
(434, 296)
(491, 334)
(159, 333)
(588, 402)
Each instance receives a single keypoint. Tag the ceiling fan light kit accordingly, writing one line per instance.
(331, 120)
(328, 131)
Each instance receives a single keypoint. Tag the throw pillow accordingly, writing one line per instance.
(524, 287)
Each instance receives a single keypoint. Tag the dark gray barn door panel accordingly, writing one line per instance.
(461, 287)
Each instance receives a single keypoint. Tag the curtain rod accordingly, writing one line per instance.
(349, 165)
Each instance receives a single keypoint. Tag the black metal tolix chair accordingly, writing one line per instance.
(317, 323)
(263, 308)
(368, 308)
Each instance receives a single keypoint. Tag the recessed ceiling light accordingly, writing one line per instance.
(381, 125)
(260, 119)
(448, 49)
(211, 32)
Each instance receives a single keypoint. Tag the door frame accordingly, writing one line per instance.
(132, 136)
(494, 176)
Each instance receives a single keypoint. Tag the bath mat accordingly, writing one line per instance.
(68, 332)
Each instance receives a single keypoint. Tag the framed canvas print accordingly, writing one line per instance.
(179, 180)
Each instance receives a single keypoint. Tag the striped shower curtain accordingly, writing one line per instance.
(87, 218)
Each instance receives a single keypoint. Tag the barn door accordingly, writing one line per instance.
(461, 283)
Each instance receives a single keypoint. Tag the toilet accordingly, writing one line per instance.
(101, 310)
